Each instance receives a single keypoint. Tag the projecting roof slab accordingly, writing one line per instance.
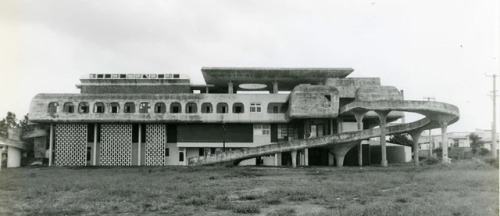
(287, 78)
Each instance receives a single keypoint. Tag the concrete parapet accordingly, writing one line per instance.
(348, 86)
(313, 101)
(377, 93)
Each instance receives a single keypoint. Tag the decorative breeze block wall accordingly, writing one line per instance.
(156, 139)
(70, 145)
(116, 145)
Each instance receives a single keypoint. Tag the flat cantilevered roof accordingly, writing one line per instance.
(287, 78)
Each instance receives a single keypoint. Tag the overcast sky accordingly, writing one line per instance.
(440, 49)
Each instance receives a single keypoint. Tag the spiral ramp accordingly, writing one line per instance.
(437, 115)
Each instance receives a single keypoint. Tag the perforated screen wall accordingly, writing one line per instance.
(70, 145)
(116, 145)
(156, 139)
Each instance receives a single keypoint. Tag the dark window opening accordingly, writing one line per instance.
(328, 97)
(107, 76)
(176, 75)
(161, 76)
(129, 107)
(160, 107)
(201, 151)
(181, 156)
(68, 107)
(175, 107)
(83, 107)
(167, 152)
(135, 133)
(276, 107)
(99, 107)
(143, 133)
(115, 107)
(123, 76)
(222, 108)
(191, 108)
(90, 132)
(89, 153)
(238, 108)
(212, 150)
(206, 108)
(100, 76)
(144, 107)
(53, 107)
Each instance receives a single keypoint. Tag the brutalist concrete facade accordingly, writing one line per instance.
(306, 117)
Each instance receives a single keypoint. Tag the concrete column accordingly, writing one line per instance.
(139, 147)
(206, 90)
(275, 87)
(13, 157)
(95, 145)
(444, 142)
(339, 151)
(359, 122)
(415, 136)
(276, 159)
(294, 158)
(306, 157)
(230, 89)
(382, 115)
(339, 125)
(51, 143)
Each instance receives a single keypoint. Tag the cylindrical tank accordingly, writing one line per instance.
(13, 157)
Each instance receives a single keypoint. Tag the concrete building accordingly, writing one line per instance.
(310, 116)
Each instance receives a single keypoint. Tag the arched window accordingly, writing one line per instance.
(206, 108)
(68, 107)
(191, 107)
(238, 108)
(160, 107)
(222, 108)
(83, 107)
(114, 107)
(129, 107)
(175, 107)
(99, 107)
(53, 107)
(144, 107)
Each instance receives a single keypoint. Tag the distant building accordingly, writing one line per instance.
(457, 139)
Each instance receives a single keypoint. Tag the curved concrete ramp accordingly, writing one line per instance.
(437, 114)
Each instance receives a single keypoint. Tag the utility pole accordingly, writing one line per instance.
(430, 137)
(494, 124)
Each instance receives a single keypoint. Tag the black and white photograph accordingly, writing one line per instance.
(249, 107)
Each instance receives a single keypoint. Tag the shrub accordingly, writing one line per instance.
(272, 201)
(491, 161)
(223, 204)
(247, 209)
(484, 152)
(431, 161)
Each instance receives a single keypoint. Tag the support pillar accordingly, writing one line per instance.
(415, 136)
(382, 115)
(306, 157)
(340, 150)
(359, 122)
(95, 145)
(294, 158)
(13, 157)
(230, 89)
(275, 87)
(444, 141)
(139, 146)
(51, 143)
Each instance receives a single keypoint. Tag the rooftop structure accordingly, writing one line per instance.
(164, 119)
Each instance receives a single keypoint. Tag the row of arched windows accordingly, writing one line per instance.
(160, 107)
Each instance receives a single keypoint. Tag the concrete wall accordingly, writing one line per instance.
(347, 87)
(136, 89)
(13, 157)
(173, 158)
(39, 108)
(313, 101)
(376, 93)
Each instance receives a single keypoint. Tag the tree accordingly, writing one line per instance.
(9, 121)
(475, 142)
(401, 139)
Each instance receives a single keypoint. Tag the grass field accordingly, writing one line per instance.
(461, 188)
